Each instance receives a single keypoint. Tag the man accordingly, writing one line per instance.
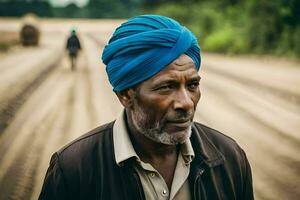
(154, 150)
(73, 46)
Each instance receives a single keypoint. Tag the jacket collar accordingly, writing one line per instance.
(205, 150)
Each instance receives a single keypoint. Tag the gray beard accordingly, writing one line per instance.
(155, 132)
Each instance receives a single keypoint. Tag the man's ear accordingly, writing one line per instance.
(126, 97)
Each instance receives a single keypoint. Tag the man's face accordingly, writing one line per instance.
(164, 105)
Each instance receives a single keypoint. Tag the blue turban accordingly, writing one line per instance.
(143, 46)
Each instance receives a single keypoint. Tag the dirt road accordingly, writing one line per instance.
(44, 105)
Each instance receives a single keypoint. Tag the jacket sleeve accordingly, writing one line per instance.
(54, 184)
(248, 186)
(78, 43)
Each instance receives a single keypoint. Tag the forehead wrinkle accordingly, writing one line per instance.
(182, 66)
(175, 74)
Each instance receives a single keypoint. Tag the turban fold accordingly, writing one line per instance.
(143, 46)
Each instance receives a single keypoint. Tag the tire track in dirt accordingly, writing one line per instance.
(37, 106)
(275, 174)
(56, 139)
(13, 59)
(21, 159)
(12, 103)
(6, 140)
(17, 182)
(263, 111)
(281, 93)
(289, 156)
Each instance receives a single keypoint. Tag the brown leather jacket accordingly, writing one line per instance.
(86, 169)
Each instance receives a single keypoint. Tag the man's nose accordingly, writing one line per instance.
(183, 100)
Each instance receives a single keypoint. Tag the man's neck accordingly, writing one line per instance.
(150, 151)
(161, 156)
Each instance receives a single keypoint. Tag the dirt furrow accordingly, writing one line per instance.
(18, 59)
(55, 140)
(289, 96)
(15, 97)
(255, 138)
(265, 111)
(279, 74)
(287, 147)
(17, 182)
(24, 161)
(37, 106)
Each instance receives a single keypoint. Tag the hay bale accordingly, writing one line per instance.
(30, 33)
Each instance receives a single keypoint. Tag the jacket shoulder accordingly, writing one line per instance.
(93, 136)
(84, 148)
(226, 145)
(236, 165)
(214, 134)
(77, 168)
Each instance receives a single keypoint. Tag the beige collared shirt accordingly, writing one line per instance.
(153, 183)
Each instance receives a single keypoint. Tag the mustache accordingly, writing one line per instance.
(180, 116)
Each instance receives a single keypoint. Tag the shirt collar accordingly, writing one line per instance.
(187, 152)
(124, 149)
(122, 144)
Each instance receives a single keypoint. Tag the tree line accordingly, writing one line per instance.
(94, 9)
(240, 26)
(227, 26)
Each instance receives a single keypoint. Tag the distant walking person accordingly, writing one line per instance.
(73, 46)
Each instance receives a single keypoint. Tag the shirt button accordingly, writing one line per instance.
(152, 174)
(164, 192)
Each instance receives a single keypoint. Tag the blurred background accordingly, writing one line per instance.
(250, 82)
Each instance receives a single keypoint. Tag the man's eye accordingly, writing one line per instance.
(194, 85)
(165, 87)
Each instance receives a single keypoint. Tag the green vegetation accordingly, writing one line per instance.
(93, 9)
(240, 26)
